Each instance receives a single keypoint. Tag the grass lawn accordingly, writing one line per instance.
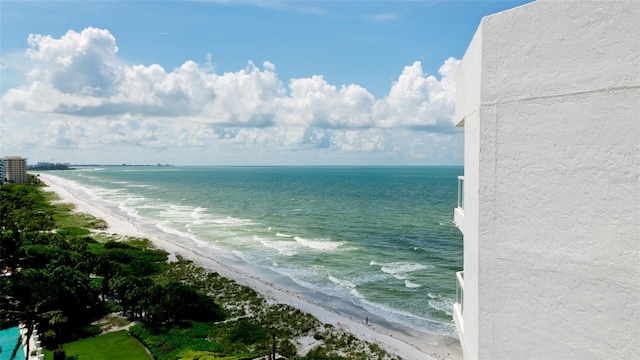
(115, 345)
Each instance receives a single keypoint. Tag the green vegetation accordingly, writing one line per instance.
(115, 345)
(72, 284)
(64, 216)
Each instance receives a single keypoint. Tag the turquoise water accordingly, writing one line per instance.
(8, 340)
(380, 239)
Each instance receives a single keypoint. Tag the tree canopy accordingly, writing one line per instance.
(61, 278)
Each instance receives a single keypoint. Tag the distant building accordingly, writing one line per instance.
(15, 169)
(49, 166)
(548, 94)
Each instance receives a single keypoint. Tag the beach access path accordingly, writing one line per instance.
(409, 346)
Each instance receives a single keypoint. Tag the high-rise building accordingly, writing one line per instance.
(548, 94)
(15, 169)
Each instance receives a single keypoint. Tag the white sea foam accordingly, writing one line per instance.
(308, 278)
(197, 219)
(135, 199)
(283, 235)
(180, 208)
(198, 213)
(400, 267)
(367, 278)
(152, 206)
(104, 193)
(92, 169)
(177, 213)
(130, 206)
(411, 285)
(166, 227)
(90, 177)
(442, 304)
(376, 307)
(404, 317)
(324, 245)
(298, 276)
(231, 221)
(130, 211)
(142, 186)
(356, 293)
(314, 278)
(346, 283)
(286, 248)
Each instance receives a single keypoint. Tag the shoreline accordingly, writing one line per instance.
(394, 338)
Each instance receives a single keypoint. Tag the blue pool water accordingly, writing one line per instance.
(8, 340)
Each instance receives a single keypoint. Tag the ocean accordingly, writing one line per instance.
(368, 241)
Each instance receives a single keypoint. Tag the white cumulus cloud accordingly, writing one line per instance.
(84, 96)
(419, 101)
(77, 63)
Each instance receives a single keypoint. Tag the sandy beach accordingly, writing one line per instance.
(408, 344)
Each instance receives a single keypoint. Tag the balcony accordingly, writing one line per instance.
(458, 214)
(461, 192)
(458, 306)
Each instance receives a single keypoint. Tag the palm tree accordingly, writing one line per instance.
(56, 317)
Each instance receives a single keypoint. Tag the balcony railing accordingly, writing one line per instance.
(461, 192)
(460, 290)
(458, 213)
(458, 306)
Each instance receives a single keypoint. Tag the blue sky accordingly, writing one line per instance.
(234, 82)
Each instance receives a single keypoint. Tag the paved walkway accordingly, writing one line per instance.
(34, 344)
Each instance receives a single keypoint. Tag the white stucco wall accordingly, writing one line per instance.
(467, 114)
(552, 175)
(468, 79)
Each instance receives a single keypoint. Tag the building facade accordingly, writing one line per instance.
(15, 169)
(548, 94)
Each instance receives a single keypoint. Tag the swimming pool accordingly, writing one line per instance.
(8, 340)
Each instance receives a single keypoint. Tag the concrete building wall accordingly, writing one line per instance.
(468, 82)
(553, 160)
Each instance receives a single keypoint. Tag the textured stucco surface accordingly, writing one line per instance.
(467, 113)
(552, 182)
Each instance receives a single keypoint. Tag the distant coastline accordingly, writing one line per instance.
(49, 166)
(66, 166)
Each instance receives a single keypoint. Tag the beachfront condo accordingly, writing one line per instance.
(15, 169)
(548, 94)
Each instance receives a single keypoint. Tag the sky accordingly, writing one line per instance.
(234, 82)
